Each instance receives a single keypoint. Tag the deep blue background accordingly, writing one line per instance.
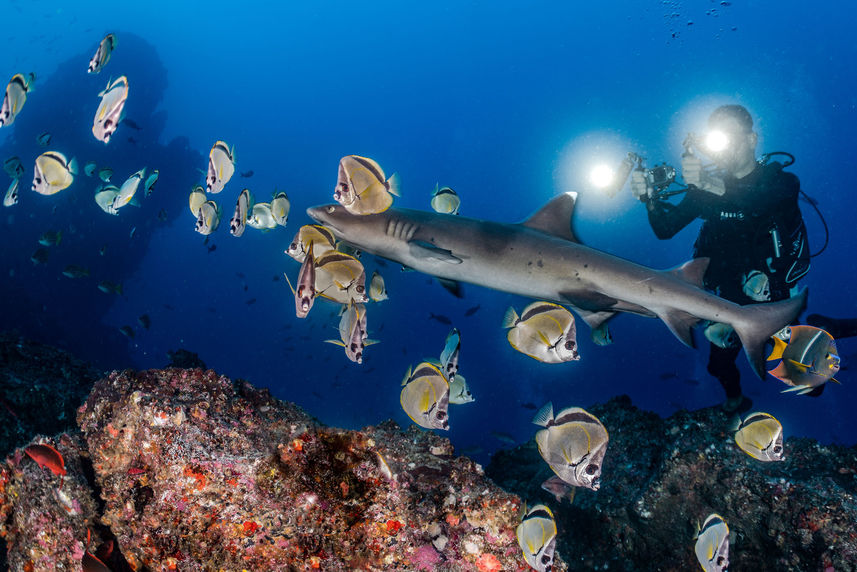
(508, 104)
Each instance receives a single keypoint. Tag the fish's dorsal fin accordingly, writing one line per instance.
(691, 271)
(554, 218)
(779, 346)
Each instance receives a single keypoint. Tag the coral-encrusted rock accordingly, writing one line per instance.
(661, 477)
(196, 474)
(44, 517)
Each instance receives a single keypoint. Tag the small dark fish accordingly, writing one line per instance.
(529, 405)
(132, 141)
(247, 174)
(245, 287)
(44, 139)
(473, 310)
(212, 248)
(276, 278)
(39, 256)
(503, 437)
(251, 301)
(145, 321)
(127, 331)
(131, 124)
(440, 318)
(162, 215)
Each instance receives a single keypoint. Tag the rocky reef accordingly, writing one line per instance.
(661, 477)
(181, 469)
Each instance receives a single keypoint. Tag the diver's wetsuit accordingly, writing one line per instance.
(755, 225)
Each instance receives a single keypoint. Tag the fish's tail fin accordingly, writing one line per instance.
(510, 319)
(394, 185)
(761, 321)
(544, 415)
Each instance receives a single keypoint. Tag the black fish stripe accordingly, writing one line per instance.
(579, 416)
(224, 148)
(540, 513)
(711, 523)
(754, 418)
(19, 79)
(371, 167)
(538, 310)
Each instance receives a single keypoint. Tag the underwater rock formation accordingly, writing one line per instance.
(661, 477)
(191, 471)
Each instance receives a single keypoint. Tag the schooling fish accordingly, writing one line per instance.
(280, 206)
(89, 168)
(151, 180)
(809, 359)
(44, 139)
(15, 98)
(128, 189)
(39, 256)
(127, 331)
(537, 537)
(760, 435)
(459, 392)
(445, 200)
(208, 219)
(545, 331)
(104, 198)
(320, 236)
(573, 444)
(53, 173)
(221, 166)
(601, 334)
(305, 291)
(50, 238)
(105, 174)
(721, 335)
(75, 271)
(425, 396)
(559, 489)
(352, 332)
(13, 167)
(110, 287)
(102, 54)
(340, 277)
(449, 355)
(111, 110)
(362, 187)
(238, 222)
(145, 321)
(196, 200)
(712, 544)
(261, 217)
(11, 197)
(377, 288)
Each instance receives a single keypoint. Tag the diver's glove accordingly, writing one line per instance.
(640, 187)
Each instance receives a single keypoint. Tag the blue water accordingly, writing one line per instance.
(509, 105)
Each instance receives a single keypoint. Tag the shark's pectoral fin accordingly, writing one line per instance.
(555, 217)
(595, 319)
(426, 250)
(680, 324)
(452, 287)
(589, 301)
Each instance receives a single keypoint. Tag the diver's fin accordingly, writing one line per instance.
(691, 271)
(452, 286)
(779, 346)
(554, 218)
(426, 250)
(761, 321)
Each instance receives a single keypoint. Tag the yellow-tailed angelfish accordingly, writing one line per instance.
(111, 110)
(361, 186)
(321, 237)
(208, 219)
(260, 217)
(221, 167)
(53, 173)
(760, 435)
(280, 206)
(444, 200)
(238, 222)
(352, 332)
(305, 291)
(340, 277)
(377, 288)
(11, 197)
(425, 396)
(128, 189)
(196, 200)
(449, 355)
(573, 444)
(537, 537)
(712, 544)
(545, 331)
(15, 98)
(102, 54)
(809, 359)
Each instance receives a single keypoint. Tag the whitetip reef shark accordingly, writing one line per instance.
(541, 258)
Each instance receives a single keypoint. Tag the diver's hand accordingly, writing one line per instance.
(711, 183)
(640, 185)
(691, 169)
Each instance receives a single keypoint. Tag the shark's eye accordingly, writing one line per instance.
(331, 209)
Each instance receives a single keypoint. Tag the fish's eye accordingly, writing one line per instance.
(360, 288)
(778, 449)
(591, 469)
(441, 415)
(720, 561)
(569, 345)
(546, 559)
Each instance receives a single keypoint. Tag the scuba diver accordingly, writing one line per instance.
(752, 231)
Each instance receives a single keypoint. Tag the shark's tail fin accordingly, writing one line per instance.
(761, 321)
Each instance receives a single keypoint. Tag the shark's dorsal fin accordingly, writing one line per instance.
(554, 218)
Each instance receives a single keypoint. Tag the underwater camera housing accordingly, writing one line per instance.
(660, 177)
